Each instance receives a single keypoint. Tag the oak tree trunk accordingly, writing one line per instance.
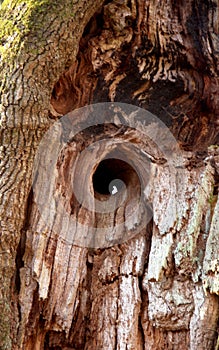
(157, 289)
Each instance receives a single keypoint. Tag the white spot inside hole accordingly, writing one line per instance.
(116, 186)
(114, 190)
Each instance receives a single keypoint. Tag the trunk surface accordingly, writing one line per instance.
(154, 283)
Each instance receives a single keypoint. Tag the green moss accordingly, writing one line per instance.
(212, 198)
(213, 147)
(23, 25)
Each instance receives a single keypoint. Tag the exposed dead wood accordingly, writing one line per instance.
(151, 290)
(161, 57)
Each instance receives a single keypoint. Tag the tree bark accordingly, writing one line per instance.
(157, 289)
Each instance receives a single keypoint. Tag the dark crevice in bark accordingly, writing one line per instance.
(89, 301)
(55, 341)
(19, 260)
(143, 293)
(21, 246)
(35, 322)
(149, 233)
(216, 186)
(141, 331)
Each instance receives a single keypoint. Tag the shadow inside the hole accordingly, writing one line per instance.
(118, 175)
(112, 175)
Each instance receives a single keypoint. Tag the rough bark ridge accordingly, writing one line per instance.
(38, 41)
(147, 293)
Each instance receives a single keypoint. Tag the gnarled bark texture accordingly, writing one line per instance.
(159, 289)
